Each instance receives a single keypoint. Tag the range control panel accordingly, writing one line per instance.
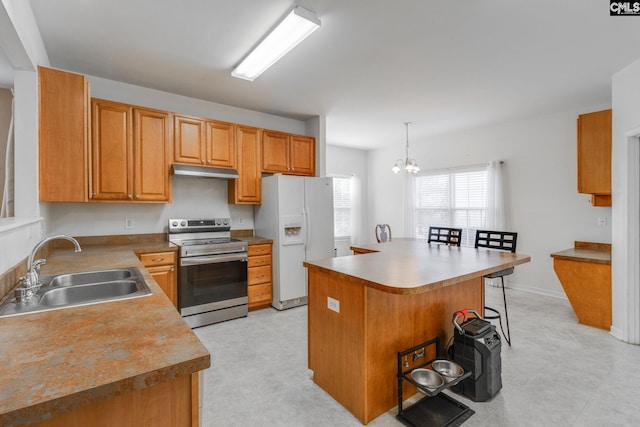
(198, 225)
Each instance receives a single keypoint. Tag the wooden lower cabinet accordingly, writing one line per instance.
(259, 276)
(162, 266)
(173, 403)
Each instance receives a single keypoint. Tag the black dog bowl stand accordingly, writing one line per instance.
(435, 409)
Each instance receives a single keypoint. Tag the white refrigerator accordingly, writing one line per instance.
(297, 214)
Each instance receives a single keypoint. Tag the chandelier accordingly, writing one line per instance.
(409, 165)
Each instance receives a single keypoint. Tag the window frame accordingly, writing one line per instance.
(349, 209)
(473, 215)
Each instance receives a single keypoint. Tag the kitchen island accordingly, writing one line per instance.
(363, 309)
(127, 362)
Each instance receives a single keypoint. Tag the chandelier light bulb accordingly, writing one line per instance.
(409, 165)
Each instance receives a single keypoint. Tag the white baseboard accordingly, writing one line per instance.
(616, 333)
(539, 291)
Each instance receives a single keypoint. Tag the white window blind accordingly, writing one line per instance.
(456, 198)
(342, 205)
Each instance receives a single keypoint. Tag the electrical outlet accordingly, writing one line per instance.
(602, 221)
(128, 223)
(240, 220)
(333, 304)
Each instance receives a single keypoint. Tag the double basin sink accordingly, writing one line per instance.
(74, 289)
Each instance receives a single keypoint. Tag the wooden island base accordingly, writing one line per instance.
(353, 353)
(585, 274)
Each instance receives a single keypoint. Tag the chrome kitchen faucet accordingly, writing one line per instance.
(31, 281)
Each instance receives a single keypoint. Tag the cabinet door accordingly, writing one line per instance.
(152, 152)
(259, 261)
(248, 188)
(63, 136)
(257, 275)
(165, 276)
(111, 151)
(302, 155)
(188, 140)
(275, 152)
(594, 153)
(260, 296)
(221, 144)
(259, 250)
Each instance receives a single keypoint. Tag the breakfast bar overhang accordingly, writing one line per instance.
(363, 309)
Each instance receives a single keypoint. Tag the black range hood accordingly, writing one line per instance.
(204, 171)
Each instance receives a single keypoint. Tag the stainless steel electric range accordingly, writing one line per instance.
(212, 274)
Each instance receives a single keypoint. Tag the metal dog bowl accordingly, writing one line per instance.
(427, 378)
(449, 370)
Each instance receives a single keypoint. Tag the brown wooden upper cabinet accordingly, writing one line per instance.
(288, 154)
(130, 153)
(63, 136)
(594, 156)
(248, 188)
(204, 142)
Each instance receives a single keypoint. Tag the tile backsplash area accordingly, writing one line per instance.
(10, 278)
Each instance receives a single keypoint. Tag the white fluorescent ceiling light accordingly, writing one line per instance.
(294, 28)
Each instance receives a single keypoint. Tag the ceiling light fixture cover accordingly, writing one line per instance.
(295, 27)
(409, 165)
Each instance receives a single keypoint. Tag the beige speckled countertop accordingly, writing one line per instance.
(255, 240)
(54, 361)
(410, 266)
(596, 253)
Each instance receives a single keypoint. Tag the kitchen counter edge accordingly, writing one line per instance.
(120, 347)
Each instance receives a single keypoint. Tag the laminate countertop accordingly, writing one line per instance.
(55, 361)
(255, 240)
(596, 253)
(410, 266)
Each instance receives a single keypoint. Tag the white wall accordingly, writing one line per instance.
(342, 161)
(625, 171)
(145, 97)
(543, 205)
(5, 117)
(192, 198)
(23, 47)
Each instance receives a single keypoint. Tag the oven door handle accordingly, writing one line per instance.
(216, 259)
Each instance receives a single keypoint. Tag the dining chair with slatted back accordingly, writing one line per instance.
(502, 241)
(445, 236)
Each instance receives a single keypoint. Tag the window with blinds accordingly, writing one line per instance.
(455, 198)
(342, 205)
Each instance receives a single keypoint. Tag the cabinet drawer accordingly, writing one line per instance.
(259, 261)
(257, 275)
(157, 258)
(260, 293)
(259, 250)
